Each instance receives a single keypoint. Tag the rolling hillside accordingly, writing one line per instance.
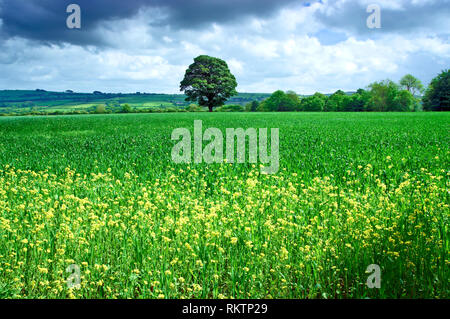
(22, 101)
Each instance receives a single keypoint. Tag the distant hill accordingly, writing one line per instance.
(48, 98)
(26, 101)
(37, 100)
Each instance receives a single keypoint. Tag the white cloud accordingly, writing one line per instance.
(280, 52)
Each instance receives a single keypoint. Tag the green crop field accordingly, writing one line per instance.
(101, 192)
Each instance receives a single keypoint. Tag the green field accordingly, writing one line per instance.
(101, 192)
(19, 102)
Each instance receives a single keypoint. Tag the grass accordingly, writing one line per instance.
(101, 192)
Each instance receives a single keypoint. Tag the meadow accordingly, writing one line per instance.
(101, 192)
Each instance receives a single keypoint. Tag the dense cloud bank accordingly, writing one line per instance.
(137, 45)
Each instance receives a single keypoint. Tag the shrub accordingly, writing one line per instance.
(230, 108)
(195, 108)
(100, 109)
(126, 109)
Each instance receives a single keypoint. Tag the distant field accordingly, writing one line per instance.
(101, 192)
(21, 101)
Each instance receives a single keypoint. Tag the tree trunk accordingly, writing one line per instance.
(210, 108)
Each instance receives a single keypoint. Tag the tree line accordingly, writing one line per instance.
(209, 82)
(383, 96)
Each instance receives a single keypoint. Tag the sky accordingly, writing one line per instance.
(146, 45)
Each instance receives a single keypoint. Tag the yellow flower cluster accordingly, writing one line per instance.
(186, 235)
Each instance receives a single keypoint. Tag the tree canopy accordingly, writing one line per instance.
(209, 82)
(281, 102)
(335, 102)
(437, 96)
(411, 84)
(383, 96)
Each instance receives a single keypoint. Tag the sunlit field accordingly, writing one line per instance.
(101, 192)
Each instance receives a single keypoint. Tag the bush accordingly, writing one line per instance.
(230, 108)
(252, 106)
(195, 108)
(126, 109)
(100, 109)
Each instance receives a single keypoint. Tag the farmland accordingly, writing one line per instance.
(101, 192)
(18, 102)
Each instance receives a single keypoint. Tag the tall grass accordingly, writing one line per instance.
(101, 192)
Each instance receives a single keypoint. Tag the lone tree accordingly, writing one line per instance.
(437, 96)
(209, 82)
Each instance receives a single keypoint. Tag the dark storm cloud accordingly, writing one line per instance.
(410, 17)
(45, 20)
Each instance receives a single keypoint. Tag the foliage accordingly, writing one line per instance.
(209, 82)
(355, 103)
(383, 96)
(100, 109)
(195, 108)
(281, 102)
(335, 103)
(230, 108)
(387, 96)
(406, 101)
(126, 109)
(262, 107)
(437, 96)
(411, 84)
(252, 106)
(295, 101)
(380, 96)
(315, 103)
